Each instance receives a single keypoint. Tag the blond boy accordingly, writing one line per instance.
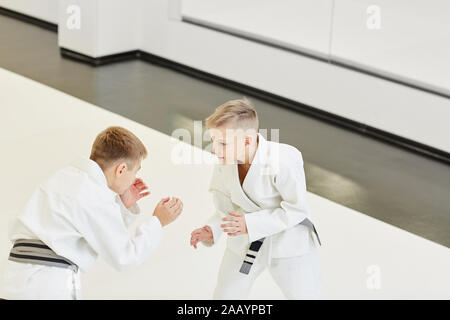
(259, 192)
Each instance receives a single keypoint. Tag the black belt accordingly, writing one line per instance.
(256, 245)
(37, 252)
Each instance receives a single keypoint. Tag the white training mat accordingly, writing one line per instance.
(42, 130)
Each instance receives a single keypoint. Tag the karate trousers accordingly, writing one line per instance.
(25, 281)
(298, 277)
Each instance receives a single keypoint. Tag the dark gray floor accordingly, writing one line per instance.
(392, 185)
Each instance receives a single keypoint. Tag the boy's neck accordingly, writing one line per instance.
(250, 155)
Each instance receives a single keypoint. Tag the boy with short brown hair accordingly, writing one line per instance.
(80, 212)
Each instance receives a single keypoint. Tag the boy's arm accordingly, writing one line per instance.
(290, 183)
(221, 202)
(104, 229)
(128, 215)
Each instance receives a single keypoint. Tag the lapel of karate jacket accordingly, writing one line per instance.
(237, 192)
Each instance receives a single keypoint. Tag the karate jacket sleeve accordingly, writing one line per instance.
(128, 215)
(222, 204)
(103, 227)
(220, 201)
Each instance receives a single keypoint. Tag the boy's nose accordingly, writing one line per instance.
(216, 152)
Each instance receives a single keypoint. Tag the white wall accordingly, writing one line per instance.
(106, 27)
(119, 26)
(395, 108)
(402, 39)
(412, 44)
(46, 10)
(85, 39)
(113, 26)
(299, 25)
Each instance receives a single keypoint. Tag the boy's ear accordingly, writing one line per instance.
(248, 140)
(121, 167)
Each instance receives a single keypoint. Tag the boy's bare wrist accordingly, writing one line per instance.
(208, 228)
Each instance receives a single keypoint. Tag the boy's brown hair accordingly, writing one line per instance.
(117, 143)
(240, 113)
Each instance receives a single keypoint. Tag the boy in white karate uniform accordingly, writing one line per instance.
(259, 192)
(80, 212)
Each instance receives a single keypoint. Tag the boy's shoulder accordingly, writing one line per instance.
(285, 153)
(220, 178)
(72, 183)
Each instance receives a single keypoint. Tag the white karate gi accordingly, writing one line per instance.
(76, 214)
(273, 199)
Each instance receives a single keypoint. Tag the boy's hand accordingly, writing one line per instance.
(167, 210)
(236, 224)
(134, 193)
(201, 234)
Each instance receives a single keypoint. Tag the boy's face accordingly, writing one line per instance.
(230, 145)
(123, 176)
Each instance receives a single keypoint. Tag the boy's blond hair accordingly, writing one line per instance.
(237, 113)
(117, 143)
